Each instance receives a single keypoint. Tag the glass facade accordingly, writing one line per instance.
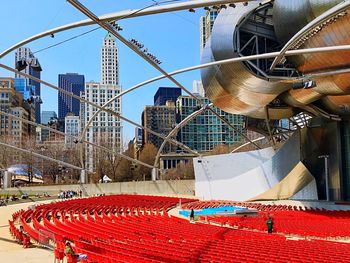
(71, 82)
(165, 94)
(206, 131)
(21, 86)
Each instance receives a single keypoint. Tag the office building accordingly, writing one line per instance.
(72, 82)
(72, 128)
(105, 129)
(197, 88)
(165, 94)
(33, 68)
(22, 87)
(161, 119)
(206, 131)
(11, 101)
(109, 61)
(206, 26)
(46, 116)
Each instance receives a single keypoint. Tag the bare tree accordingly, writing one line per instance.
(184, 170)
(147, 155)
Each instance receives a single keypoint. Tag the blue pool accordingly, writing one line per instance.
(213, 211)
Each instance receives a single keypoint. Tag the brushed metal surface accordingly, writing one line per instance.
(236, 89)
(232, 87)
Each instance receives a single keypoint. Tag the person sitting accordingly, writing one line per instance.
(68, 250)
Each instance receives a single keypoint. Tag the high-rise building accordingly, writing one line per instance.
(72, 128)
(197, 88)
(34, 68)
(165, 94)
(109, 61)
(206, 26)
(22, 87)
(11, 101)
(106, 129)
(72, 82)
(206, 131)
(46, 116)
(161, 119)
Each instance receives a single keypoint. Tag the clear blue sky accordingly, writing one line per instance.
(172, 37)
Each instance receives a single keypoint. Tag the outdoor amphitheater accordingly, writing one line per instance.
(286, 198)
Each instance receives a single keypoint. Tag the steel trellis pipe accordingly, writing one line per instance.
(111, 30)
(92, 104)
(122, 15)
(42, 156)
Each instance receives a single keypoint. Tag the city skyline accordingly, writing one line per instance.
(179, 35)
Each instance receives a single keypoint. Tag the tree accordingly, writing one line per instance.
(147, 155)
(184, 170)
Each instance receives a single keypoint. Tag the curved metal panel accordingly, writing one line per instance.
(297, 13)
(232, 87)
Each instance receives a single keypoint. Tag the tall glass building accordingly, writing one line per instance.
(46, 116)
(33, 69)
(72, 82)
(165, 94)
(22, 87)
(206, 131)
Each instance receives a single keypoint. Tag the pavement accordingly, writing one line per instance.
(12, 252)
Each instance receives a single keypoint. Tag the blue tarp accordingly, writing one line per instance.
(212, 211)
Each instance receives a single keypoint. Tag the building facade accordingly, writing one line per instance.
(72, 128)
(161, 119)
(197, 88)
(106, 129)
(165, 94)
(46, 116)
(72, 82)
(207, 131)
(109, 61)
(11, 101)
(206, 26)
(34, 69)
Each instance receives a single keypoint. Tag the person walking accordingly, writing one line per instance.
(269, 223)
(192, 215)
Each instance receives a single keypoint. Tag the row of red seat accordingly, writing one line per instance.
(325, 224)
(131, 228)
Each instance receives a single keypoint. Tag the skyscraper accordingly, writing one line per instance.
(165, 94)
(72, 82)
(72, 128)
(33, 69)
(11, 101)
(46, 116)
(197, 88)
(206, 131)
(206, 26)
(109, 61)
(161, 119)
(106, 129)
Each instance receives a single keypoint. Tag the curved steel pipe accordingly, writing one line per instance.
(176, 129)
(72, 136)
(121, 15)
(41, 156)
(309, 28)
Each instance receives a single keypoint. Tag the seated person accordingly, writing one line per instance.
(69, 250)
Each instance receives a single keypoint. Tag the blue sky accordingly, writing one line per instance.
(172, 37)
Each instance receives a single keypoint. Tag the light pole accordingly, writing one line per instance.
(325, 157)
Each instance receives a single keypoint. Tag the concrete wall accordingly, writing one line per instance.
(241, 176)
(161, 187)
